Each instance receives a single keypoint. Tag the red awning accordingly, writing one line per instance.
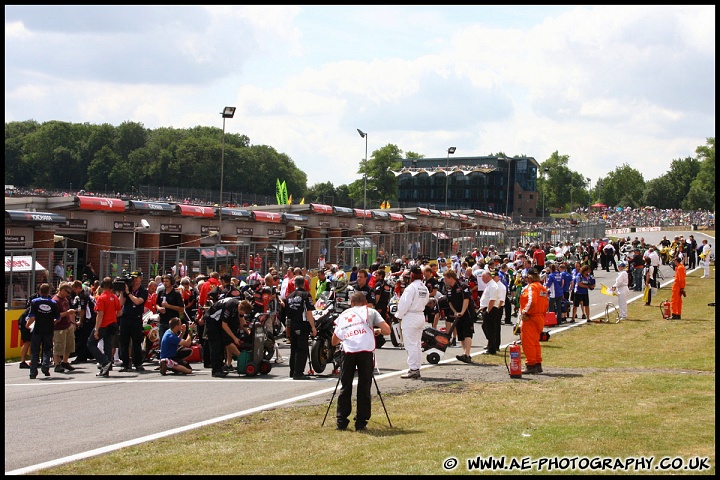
(267, 217)
(360, 213)
(423, 211)
(397, 217)
(196, 211)
(318, 208)
(99, 203)
(462, 217)
(445, 214)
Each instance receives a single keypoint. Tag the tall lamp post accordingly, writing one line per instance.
(450, 151)
(228, 112)
(364, 135)
(545, 170)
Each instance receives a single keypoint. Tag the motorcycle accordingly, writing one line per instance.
(395, 330)
(327, 308)
(322, 350)
(151, 336)
(273, 329)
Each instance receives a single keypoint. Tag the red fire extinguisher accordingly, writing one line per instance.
(515, 367)
(665, 309)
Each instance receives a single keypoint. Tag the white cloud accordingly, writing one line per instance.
(605, 85)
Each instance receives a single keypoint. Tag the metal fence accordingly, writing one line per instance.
(360, 251)
(571, 233)
(25, 270)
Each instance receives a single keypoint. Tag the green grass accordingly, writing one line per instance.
(643, 387)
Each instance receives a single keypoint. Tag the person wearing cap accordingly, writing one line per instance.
(621, 288)
(131, 326)
(410, 310)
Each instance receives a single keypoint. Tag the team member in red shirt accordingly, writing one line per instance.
(539, 259)
(108, 308)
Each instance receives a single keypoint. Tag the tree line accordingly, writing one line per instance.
(56, 155)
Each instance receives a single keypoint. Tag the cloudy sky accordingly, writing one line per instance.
(603, 85)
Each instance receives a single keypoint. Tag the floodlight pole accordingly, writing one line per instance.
(365, 136)
(228, 112)
(447, 167)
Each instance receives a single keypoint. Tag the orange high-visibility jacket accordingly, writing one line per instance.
(534, 299)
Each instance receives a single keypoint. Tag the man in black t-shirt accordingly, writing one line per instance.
(223, 313)
(382, 293)
(301, 324)
(362, 286)
(131, 324)
(44, 312)
(169, 304)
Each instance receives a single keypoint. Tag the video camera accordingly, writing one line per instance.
(120, 281)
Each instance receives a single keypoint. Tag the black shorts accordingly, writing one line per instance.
(25, 335)
(465, 327)
(581, 297)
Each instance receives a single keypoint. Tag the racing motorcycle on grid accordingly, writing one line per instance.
(327, 308)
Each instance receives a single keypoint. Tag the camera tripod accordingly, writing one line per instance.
(342, 369)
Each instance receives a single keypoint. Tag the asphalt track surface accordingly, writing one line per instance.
(71, 416)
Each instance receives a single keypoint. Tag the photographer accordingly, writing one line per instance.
(174, 348)
(356, 328)
(132, 299)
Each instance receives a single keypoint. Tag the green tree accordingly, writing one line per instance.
(381, 182)
(15, 138)
(702, 188)
(623, 187)
(655, 193)
(323, 193)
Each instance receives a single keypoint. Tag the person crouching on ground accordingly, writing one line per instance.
(356, 328)
(534, 303)
(174, 348)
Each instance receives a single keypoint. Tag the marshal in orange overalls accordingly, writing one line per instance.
(678, 289)
(533, 305)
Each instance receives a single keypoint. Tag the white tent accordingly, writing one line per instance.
(21, 263)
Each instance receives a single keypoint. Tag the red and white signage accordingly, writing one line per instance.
(99, 203)
(267, 217)
(360, 213)
(318, 208)
(21, 263)
(196, 211)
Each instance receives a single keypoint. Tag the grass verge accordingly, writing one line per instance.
(643, 387)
